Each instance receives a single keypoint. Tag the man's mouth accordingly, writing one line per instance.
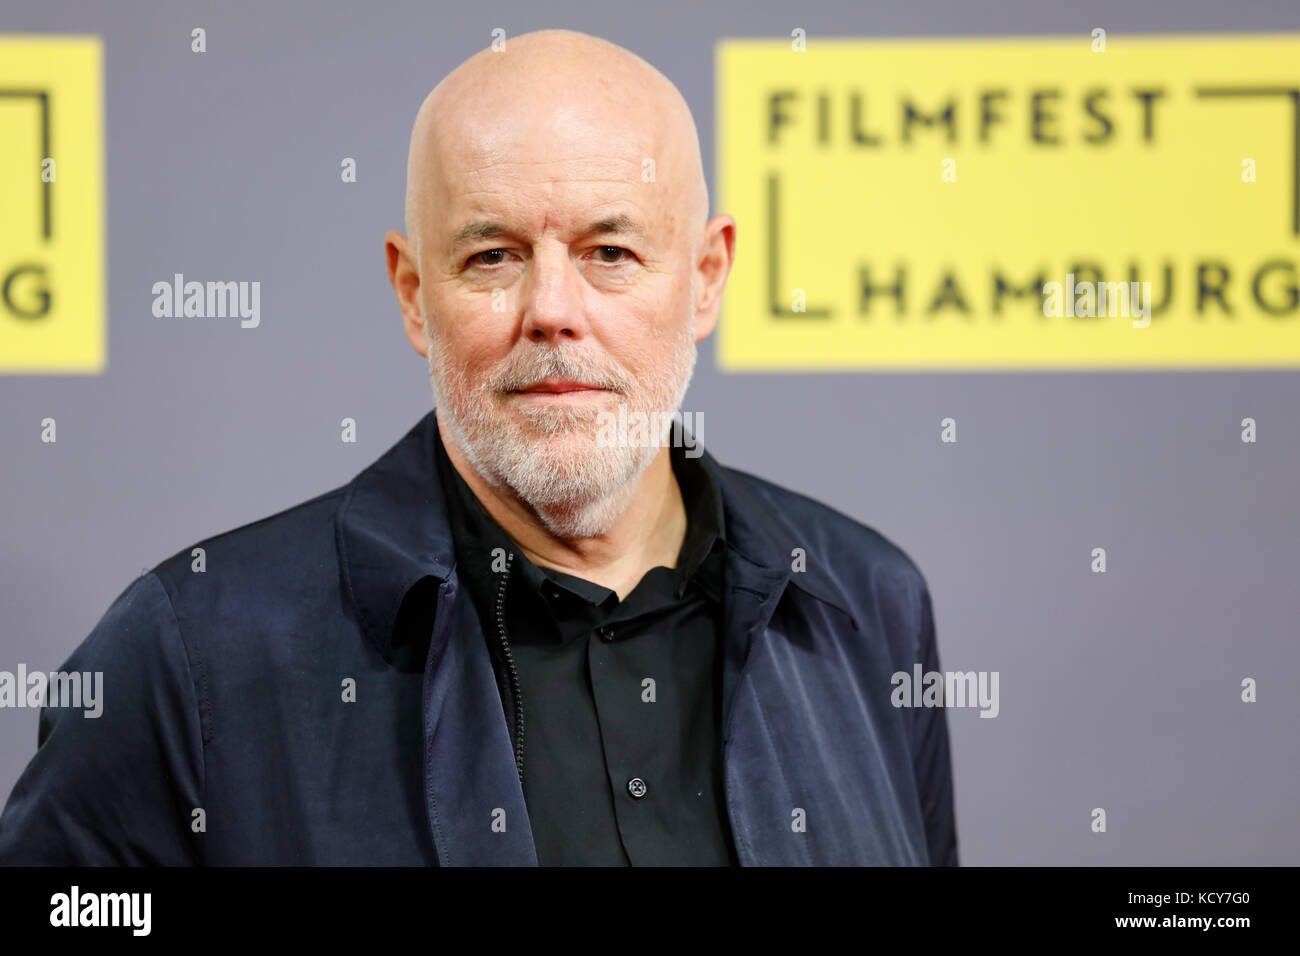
(552, 387)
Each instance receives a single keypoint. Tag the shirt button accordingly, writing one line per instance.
(606, 633)
(636, 786)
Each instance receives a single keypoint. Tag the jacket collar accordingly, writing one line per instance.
(764, 536)
(392, 532)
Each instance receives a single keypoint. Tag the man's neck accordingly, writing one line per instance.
(648, 533)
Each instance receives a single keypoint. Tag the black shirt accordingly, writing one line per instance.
(614, 707)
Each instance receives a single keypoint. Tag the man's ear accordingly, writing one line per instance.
(717, 253)
(404, 276)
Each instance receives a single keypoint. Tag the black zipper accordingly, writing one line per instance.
(510, 663)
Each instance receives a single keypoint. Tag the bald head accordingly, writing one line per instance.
(580, 105)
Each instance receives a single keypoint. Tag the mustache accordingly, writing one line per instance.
(533, 366)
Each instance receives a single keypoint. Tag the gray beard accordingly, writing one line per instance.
(576, 487)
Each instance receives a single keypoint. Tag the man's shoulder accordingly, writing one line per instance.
(257, 580)
(263, 544)
(844, 560)
(295, 537)
(800, 516)
(847, 563)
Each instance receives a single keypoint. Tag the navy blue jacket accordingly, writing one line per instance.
(321, 693)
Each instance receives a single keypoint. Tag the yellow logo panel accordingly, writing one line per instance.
(51, 204)
(1083, 202)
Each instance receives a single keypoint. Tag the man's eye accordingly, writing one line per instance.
(608, 254)
(611, 253)
(479, 257)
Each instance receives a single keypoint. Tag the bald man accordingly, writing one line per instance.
(524, 635)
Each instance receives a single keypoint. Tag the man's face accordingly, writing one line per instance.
(548, 264)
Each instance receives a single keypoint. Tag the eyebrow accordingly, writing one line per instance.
(473, 232)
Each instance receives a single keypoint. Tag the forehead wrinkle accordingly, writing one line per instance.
(614, 224)
(641, 220)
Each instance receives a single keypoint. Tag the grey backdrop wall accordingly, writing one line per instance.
(1119, 690)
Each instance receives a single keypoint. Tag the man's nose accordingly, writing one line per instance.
(552, 297)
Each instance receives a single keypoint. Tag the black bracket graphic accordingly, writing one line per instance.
(1293, 93)
(773, 258)
(42, 98)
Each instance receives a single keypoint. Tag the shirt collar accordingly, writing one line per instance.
(393, 532)
(479, 534)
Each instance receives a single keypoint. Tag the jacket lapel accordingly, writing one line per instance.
(796, 792)
(472, 791)
(752, 592)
